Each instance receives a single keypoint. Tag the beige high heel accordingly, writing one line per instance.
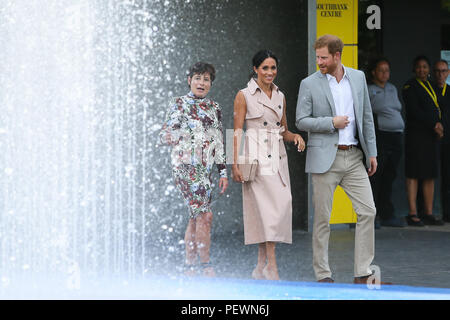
(257, 274)
(208, 270)
(270, 275)
(189, 270)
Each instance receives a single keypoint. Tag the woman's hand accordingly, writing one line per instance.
(168, 139)
(439, 129)
(237, 175)
(299, 142)
(223, 183)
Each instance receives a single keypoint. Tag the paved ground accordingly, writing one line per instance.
(406, 256)
(410, 258)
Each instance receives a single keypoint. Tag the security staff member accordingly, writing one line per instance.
(389, 127)
(422, 135)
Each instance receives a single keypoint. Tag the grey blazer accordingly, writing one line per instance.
(315, 111)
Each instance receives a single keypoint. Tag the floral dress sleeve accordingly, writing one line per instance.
(219, 151)
(171, 132)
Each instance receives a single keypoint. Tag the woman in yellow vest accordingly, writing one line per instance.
(423, 131)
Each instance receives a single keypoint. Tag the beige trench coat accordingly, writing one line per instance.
(267, 200)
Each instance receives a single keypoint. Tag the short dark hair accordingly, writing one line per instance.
(259, 58)
(375, 62)
(201, 68)
(420, 58)
(333, 43)
(442, 60)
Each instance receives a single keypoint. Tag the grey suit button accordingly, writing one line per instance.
(335, 144)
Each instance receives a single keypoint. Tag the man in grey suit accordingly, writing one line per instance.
(334, 108)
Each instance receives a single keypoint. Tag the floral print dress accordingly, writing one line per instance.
(193, 127)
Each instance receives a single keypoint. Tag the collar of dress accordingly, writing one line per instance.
(253, 86)
(193, 96)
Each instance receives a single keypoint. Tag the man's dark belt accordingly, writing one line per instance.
(346, 147)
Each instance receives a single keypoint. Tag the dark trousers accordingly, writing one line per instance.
(445, 180)
(390, 149)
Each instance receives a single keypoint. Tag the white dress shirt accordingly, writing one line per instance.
(343, 102)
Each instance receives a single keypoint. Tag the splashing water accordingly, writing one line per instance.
(80, 174)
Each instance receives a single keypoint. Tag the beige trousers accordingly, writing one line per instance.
(349, 172)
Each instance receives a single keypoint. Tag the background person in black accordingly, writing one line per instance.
(441, 73)
(423, 132)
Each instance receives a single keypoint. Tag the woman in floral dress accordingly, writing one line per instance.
(193, 128)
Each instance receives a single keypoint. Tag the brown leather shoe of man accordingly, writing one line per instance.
(364, 280)
(326, 280)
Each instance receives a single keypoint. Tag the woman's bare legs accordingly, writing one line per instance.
(428, 195)
(197, 240)
(262, 259)
(191, 247)
(266, 268)
(270, 271)
(412, 186)
(203, 241)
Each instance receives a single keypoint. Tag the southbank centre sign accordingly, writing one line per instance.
(331, 9)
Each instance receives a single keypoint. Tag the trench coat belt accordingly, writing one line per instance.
(275, 133)
(261, 138)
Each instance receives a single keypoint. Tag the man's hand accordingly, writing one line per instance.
(340, 122)
(373, 166)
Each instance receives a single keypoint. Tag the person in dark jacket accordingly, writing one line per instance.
(441, 73)
(423, 132)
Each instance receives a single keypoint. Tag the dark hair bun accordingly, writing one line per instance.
(259, 58)
(262, 55)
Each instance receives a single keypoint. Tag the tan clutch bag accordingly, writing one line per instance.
(248, 168)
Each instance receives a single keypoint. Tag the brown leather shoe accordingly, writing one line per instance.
(364, 280)
(326, 280)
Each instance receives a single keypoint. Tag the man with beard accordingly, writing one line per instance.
(334, 107)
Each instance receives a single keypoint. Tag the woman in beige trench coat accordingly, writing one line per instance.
(267, 199)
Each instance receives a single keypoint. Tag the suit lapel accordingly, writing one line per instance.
(326, 87)
(356, 106)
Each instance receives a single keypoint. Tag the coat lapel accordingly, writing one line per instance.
(264, 99)
(275, 104)
(271, 103)
(326, 88)
(356, 106)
